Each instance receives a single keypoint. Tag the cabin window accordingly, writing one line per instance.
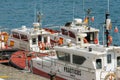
(109, 58)
(90, 37)
(118, 61)
(78, 59)
(24, 37)
(71, 34)
(33, 41)
(63, 56)
(39, 38)
(79, 39)
(45, 39)
(98, 63)
(15, 35)
(64, 32)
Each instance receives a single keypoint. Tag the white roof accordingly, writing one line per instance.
(96, 49)
(80, 29)
(30, 31)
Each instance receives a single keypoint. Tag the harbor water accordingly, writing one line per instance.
(16, 13)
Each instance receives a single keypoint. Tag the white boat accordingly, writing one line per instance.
(33, 42)
(72, 31)
(30, 39)
(82, 61)
(93, 62)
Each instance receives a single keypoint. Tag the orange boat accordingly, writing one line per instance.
(21, 59)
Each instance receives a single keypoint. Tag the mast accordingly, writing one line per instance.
(83, 10)
(88, 15)
(39, 20)
(107, 30)
(108, 25)
(73, 9)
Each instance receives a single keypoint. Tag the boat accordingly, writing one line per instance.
(72, 30)
(30, 39)
(31, 42)
(20, 59)
(5, 50)
(81, 61)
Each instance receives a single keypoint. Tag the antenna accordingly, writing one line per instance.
(108, 6)
(83, 9)
(40, 13)
(35, 12)
(73, 9)
(107, 23)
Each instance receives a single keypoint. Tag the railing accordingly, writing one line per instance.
(53, 65)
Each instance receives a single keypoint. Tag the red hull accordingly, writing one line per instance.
(44, 74)
(22, 58)
(5, 54)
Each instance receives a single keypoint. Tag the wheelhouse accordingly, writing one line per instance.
(30, 39)
(98, 60)
(72, 30)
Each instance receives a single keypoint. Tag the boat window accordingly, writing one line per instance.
(71, 34)
(79, 39)
(64, 32)
(24, 37)
(15, 35)
(63, 56)
(39, 38)
(118, 61)
(45, 39)
(90, 37)
(109, 58)
(78, 59)
(33, 40)
(98, 63)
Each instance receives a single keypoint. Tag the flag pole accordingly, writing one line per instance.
(73, 9)
(107, 22)
(83, 9)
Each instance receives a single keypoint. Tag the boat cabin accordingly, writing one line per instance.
(93, 62)
(72, 30)
(30, 39)
(96, 61)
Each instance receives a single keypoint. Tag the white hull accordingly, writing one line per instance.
(63, 71)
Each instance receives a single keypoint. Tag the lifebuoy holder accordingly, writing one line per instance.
(110, 76)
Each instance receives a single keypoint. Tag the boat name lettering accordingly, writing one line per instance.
(71, 70)
(38, 63)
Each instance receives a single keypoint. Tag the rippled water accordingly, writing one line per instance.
(15, 13)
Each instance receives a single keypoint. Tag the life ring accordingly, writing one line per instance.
(110, 76)
(85, 40)
(96, 41)
(109, 40)
(4, 33)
